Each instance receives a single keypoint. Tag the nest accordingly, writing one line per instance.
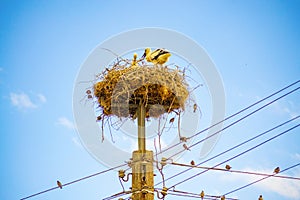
(124, 87)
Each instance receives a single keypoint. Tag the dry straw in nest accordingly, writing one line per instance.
(124, 87)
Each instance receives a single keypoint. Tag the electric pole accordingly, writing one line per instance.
(142, 167)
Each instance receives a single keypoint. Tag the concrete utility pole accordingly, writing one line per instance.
(142, 168)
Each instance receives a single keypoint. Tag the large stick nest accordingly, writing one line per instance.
(159, 88)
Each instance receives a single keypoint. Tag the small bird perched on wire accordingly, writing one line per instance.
(276, 170)
(202, 194)
(192, 162)
(59, 184)
(228, 167)
(260, 197)
(186, 147)
(159, 56)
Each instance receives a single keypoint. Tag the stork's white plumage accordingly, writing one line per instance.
(159, 56)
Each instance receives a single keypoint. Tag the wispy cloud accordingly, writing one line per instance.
(68, 124)
(42, 98)
(24, 101)
(296, 156)
(65, 122)
(289, 107)
(285, 108)
(77, 142)
(283, 187)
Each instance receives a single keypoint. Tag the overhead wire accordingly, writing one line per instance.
(267, 104)
(195, 195)
(233, 115)
(272, 175)
(120, 194)
(238, 155)
(273, 94)
(236, 121)
(72, 182)
(234, 147)
(235, 171)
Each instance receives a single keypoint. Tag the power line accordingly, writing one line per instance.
(248, 107)
(240, 118)
(174, 193)
(194, 195)
(69, 183)
(269, 103)
(120, 194)
(252, 148)
(261, 179)
(86, 177)
(234, 147)
(235, 122)
(236, 171)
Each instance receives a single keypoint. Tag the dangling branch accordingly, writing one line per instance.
(157, 166)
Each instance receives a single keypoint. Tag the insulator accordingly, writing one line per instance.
(129, 163)
(164, 191)
(121, 173)
(163, 161)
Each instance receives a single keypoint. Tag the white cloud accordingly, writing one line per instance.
(42, 98)
(63, 121)
(284, 187)
(22, 101)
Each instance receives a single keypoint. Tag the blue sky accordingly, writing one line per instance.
(254, 45)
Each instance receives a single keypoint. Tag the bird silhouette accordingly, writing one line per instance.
(192, 162)
(159, 56)
(134, 61)
(59, 184)
(260, 197)
(195, 107)
(276, 170)
(172, 120)
(202, 194)
(186, 147)
(183, 139)
(228, 167)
